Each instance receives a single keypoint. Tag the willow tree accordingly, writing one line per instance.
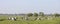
(29, 14)
(35, 14)
(41, 13)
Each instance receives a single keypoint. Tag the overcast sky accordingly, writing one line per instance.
(28, 6)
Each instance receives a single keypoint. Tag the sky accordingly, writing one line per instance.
(29, 6)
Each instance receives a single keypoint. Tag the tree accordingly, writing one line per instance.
(41, 13)
(56, 15)
(29, 14)
(35, 14)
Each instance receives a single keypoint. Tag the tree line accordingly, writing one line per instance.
(42, 14)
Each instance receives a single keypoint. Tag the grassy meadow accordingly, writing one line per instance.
(4, 20)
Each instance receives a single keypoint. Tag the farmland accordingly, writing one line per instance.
(4, 20)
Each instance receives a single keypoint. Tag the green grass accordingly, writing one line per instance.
(5, 21)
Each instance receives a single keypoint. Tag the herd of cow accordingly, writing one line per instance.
(27, 18)
(13, 18)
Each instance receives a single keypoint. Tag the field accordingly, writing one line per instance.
(4, 20)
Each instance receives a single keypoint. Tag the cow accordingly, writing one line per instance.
(14, 18)
(9, 18)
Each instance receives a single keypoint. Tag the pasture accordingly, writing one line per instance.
(4, 20)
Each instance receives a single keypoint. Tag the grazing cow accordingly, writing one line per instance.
(48, 18)
(15, 18)
(9, 18)
(38, 18)
(12, 18)
(26, 18)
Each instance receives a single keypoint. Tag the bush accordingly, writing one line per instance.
(29, 14)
